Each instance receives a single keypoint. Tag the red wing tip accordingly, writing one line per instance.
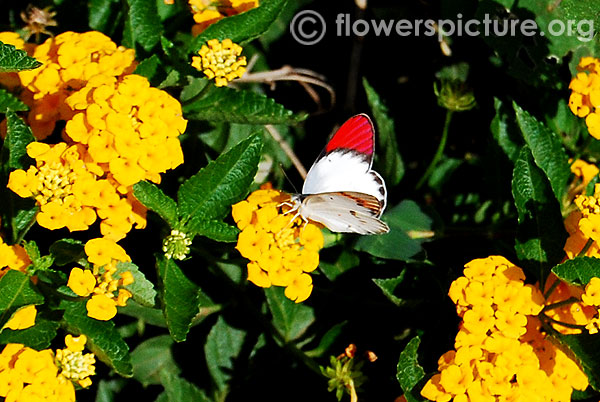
(356, 134)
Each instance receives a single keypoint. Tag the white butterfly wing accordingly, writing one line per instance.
(345, 163)
(346, 212)
(344, 171)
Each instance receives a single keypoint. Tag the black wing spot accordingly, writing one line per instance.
(353, 213)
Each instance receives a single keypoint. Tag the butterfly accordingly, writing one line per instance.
(341, 191)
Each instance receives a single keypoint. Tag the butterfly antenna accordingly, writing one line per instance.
(287, 178)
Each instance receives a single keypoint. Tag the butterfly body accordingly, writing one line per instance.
(341, 191)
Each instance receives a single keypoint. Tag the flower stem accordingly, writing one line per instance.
(562, 303)
(439, 152)
(586, 247)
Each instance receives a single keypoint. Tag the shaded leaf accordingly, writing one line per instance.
(327, 340)
(389, 285)
(290, 319)
(541, 233)
(179, 298)
(142, 25)
(405, 220)
(102, 15)
(219, 104)
(10, 102)
(223, 345)
(506, 131)
(151, 357)
(67, 251)
(178, 389)
(392, 167)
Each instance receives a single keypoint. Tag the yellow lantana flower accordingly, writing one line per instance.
(500, 349)
(23, 318)
(82, 282)
(221, 61)
(282, 252)
(585, 96)
(207, 12)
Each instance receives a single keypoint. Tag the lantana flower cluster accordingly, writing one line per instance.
(220, 60)
(119, 131)
(207, 12)
(69, 61)
(30, 375)
(583, 226)
(500, 352)
(585, 96)
(104, 283)
(282, 252)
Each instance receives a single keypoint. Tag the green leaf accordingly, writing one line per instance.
(102, 15)
(103, 339)
(389, 285)
(409, 228)
(541, 233)
(578, 271)
(213, 229)
(142, 290)
(346, 261)
(547, 150)
(25, 212)
(143, 24)
(16, 290)
(566, 12)
(392, 167)
(241, 28)
(17, 138)
(219, 104)
(443, 172)
(67, 251)
(149, 67)
(148, 315)
(10, 102)
(151, 357)
(178, 389)
(209, 193)
(14, 60)
(223, 344)
(409, 372)
(327, 340)
(154, 199)
(505, 130)
(290, 319)
(37, 337)
(179, 298)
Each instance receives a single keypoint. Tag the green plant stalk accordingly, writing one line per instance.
(440, 150)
